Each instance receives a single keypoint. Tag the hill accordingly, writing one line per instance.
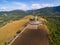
(8, 16)
(18, 12)
(53, 24)
(47, 11)
(9, 30)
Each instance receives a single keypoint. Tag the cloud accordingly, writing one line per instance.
(22, 6)
(47, 5)
(3, 8)
(36, 6)
(14, 6)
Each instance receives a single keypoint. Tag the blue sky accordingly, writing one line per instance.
(7, 5)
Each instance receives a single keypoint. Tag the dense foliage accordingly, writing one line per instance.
(54, 28)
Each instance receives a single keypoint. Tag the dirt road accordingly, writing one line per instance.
(32, 36)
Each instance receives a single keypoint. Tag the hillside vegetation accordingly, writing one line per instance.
(9, 16)
(53, 25)
(47, 11)
(10, 29)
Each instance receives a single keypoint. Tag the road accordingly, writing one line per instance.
(31, 35)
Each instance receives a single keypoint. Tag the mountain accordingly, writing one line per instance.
(8, 16)
(53, 9)
(47, 11)
(13, 12)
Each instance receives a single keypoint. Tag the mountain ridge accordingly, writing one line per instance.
(47, 10)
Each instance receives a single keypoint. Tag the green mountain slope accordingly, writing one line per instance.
(47, 11)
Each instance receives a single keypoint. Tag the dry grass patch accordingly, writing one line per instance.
(9, 30)
(42, 19)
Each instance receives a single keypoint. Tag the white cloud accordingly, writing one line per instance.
(3, 8)
(47, 5)
(20, 5)
(36, 6)
(23, 6)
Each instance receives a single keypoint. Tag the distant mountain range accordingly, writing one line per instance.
(47, 11)
(8, 16)
(13, 12)
(53, 9)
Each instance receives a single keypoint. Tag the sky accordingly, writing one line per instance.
(8, 5)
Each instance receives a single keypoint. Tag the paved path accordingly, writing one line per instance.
(31, 35)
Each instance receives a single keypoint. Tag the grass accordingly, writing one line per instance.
(10, 29)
